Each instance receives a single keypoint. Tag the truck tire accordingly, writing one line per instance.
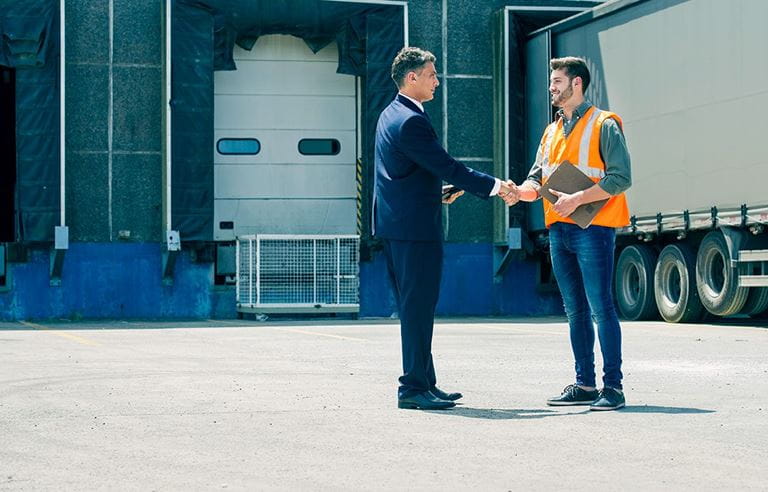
(633, 285)
(757, 301)
(674, 283)
(716, 279)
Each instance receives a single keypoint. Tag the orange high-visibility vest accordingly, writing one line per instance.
(582, 149)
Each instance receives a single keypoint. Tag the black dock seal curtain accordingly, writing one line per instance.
(204, 33)
(29, 43)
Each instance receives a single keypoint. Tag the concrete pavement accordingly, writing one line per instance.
(244, 405)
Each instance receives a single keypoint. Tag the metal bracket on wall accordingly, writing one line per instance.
(60, 247)
(502, 257)
(173, 246)
(518, 246)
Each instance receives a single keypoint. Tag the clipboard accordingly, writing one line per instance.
(567, 178)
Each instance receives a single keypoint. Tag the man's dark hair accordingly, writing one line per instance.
(409, 59)
(573, 67)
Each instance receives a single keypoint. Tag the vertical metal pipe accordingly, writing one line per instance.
(62, 113)
(237, 274)
(168, 225)
(111, 116)
(338, 270)
(258, 269)
(405, 24)
(314, 270)
(445, 73)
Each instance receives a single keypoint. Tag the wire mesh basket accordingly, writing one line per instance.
(298, 272)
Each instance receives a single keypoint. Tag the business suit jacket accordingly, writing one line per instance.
(410, 167)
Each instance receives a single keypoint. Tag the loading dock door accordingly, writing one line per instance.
(7, 154)
(284, 142)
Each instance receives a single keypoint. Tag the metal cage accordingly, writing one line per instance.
(298, 273)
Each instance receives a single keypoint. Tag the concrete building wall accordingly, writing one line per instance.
(115, 161)
(115, 111)
(114, 55)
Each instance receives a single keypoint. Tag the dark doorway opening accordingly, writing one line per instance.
(7, 154)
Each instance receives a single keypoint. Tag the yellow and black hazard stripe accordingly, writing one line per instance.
(359, 177)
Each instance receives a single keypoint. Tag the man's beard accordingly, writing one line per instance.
(559, 100)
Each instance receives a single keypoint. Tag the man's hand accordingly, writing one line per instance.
(509, 192)
(450, 194)
(566, 204)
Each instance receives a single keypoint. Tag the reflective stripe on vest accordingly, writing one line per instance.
(582, 149)
(548, 168)
(583, 163)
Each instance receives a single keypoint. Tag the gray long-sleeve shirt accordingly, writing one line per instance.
(613, 150)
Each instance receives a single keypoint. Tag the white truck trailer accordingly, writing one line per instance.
(690, 80)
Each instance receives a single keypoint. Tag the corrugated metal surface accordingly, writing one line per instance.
(282, 93)
(688, 79)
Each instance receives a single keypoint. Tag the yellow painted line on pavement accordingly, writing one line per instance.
(304, 332)
(61, 334)
(294, 330)
(527, 330)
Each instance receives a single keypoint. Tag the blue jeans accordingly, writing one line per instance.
(582, 260)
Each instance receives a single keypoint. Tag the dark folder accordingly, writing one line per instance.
(567, 178)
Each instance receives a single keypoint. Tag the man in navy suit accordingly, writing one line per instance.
(407, 215)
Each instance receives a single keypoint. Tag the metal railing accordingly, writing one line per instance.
(298, 273)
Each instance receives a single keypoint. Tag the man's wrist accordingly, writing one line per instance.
(496, 187)
(579, 197)
(528, 194)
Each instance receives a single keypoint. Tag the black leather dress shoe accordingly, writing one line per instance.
(445, 396)
(424, 401)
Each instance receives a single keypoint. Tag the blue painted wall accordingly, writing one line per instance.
(110, 280)
(467, 288)
(123, 281)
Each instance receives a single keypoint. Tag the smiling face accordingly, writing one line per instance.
(561, 87)
(421, 84)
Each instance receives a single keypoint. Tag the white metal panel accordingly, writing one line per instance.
(685, 81)
(278, 181)
(753, 281)
(280, 94)
(286, 48)
(281, 216)
(282, 147)
(261, 77)
(753, 255)
(288, 112)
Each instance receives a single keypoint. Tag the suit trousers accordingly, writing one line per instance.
(415, 270)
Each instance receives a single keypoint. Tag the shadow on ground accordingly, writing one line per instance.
(505, 413)
(538, 413)
(670, 410)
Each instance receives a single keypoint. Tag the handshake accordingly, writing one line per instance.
(509, 192)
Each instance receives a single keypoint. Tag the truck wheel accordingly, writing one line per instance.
(757, 301)
(675, 285)
(634, 283)
(717, 280)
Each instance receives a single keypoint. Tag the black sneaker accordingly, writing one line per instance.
(609, 399)
(573, 395)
